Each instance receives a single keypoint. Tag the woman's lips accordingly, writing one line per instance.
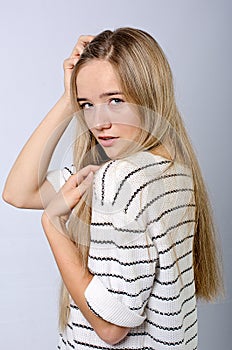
(107, 141)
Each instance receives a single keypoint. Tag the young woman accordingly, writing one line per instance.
(132, 231)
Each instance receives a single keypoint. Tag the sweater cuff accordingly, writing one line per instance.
(106, 306)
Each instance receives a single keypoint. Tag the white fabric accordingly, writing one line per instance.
(142, 227)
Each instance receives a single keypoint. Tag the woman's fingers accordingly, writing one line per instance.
(85, 184)
(69, 63)
(71, 193)
(83, 173)
(78, 183)
(76, 179)
(68, 66)
(81, 44)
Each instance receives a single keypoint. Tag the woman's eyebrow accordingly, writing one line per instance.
(105, 94)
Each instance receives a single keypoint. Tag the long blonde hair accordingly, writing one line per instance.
(146, 80)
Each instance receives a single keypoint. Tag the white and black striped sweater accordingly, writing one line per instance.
(143, 217)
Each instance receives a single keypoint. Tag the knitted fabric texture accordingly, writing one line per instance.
(142, 229)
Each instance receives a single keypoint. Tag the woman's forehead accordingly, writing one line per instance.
(96, 78)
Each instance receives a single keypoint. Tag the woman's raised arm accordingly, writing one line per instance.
(26, 185)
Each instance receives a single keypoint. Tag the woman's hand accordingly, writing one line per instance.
(70, 62)
(69, 195)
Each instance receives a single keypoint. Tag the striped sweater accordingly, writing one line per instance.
(142, 227)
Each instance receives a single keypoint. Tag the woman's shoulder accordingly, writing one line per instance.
(135, 184)
(141, 170)
(143, 162)
(128, 175)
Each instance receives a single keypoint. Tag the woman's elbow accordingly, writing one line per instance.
(15, 200)
(11, 199)
(113, 334)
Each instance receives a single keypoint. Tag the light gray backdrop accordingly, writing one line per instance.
(35, 37)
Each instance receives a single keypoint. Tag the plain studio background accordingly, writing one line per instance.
(35, 37)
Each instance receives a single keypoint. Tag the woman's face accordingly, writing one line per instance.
(113, 122)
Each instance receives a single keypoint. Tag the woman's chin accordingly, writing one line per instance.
(113, 153)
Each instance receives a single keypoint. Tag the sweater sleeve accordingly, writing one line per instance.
(122, 255)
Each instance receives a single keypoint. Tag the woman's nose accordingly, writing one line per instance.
(101, 117)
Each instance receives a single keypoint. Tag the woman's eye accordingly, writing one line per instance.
(116, 101)
(86, 105)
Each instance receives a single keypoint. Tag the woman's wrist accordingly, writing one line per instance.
(52, 222)
(66, 100)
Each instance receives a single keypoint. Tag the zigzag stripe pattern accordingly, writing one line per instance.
(141, 258)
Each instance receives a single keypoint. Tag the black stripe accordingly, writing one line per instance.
(168, 211)
(122, 246)
(72, 306)
(90, 307)
(175, 244)
(101, 224)
(72, 346)
(63, 341)
(94, 346)
(99, 258)
(169, 329)
(122, 277)
(136, 308)
(79, 325)
(147, 184)
(103, 181)
(190, 312)
(70, 172)
(172, 313)
(134, 172)
(161, 196)
(156, 339)
(120, 292)
(174, 297)
(175, 261)
(167, 283)
(191, 325)
(116, 228)
(68, 325)
(190, 339)
(176, 328)
(171, 228)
